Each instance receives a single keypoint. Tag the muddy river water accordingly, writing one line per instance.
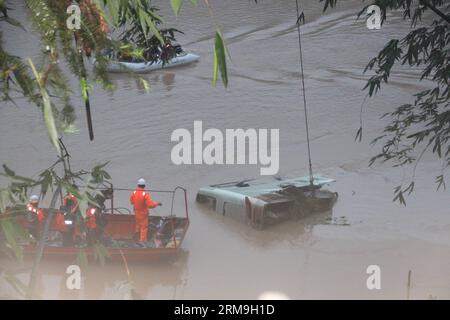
(317, 257)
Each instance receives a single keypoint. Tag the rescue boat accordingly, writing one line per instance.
(166, 234)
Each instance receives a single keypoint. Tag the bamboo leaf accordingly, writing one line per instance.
(153, 28)
(101, 253)
(47, 181)
(83, 205)
(220, 55)
(142, 19)
(48, 111)
(11, 235)
(84, 85)
(113, 9)
(215, 68)
(440, 182)
(4, 196)
(20, 287)
(13, 22)
(18, 178)
(358, 136)
(8, 171)
(135, 295)
(145, 84)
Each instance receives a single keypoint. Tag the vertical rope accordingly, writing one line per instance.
(311, 177)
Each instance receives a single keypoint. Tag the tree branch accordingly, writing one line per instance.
(435, 10)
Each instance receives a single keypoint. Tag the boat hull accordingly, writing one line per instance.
(116, 255)
(144, 67)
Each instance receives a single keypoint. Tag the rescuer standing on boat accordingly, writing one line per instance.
(35, 215)
(142, 202)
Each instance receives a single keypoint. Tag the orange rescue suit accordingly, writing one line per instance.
(142, 202)
(89, 222)
(35, 210)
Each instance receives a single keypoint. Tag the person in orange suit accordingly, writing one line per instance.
(85, 230)
(35, 215)
(142, 202)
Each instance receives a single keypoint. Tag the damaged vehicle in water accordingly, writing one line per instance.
(264, 203)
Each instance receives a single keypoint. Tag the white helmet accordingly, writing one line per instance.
(141, 182)
(34, 199)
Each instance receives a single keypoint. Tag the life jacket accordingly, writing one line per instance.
(38, 212)
(142, 201)
(90, 221)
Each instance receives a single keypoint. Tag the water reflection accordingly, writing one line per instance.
(141, 82)
(160, 280)
(168, 79)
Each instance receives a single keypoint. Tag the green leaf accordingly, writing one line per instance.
(13, 22)
(144, 84)
(113, 9)
(358, 136)
(71, 128)
(220, 55)
(12, 233)
(100, 166)
(101, 253)
(215, 68)
(142, 20)
(135, 295)
(440, 182)
(48, 111)
(399, 195)
(20, 287)
(4, 199)
(84, 85)
(176, 6)
(8, 171)
(153, 28)
(46, 182)
(83, 205)
(3, 7)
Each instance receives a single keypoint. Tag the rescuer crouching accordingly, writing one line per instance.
(77, 230)
(35, 216)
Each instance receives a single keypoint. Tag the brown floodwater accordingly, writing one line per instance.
(317, 257)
